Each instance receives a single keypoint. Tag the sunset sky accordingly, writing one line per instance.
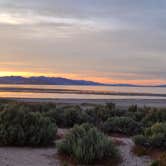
(113, 41)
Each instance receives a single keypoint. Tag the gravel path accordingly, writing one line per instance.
(128, 158)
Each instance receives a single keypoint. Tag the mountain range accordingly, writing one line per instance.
(58, 81)
(44, 81)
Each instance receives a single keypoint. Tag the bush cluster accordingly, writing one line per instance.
(87, 145)
(154, 116)
(67, 117)
(123, 125)
(107, 117)
(23, 128)
(71, 115)
(154, 136)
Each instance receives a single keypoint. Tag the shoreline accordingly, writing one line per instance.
(75, 91)
(121, 103)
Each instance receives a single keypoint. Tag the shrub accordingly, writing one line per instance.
(31, 107)
(74, 116)
(154, 116)
(87, 145)
(157, 135)
(122, 125)
(67, 117)
(137, 116)
(141, 140)
(154, 136)
(111, 106)
(158, 141)
(23, 128)
(133, 108)
(98, 114)
(101, 113)
(157, 128)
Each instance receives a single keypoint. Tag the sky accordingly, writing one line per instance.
(111, 41)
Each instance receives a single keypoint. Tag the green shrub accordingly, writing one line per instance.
(101, 113)
(154, 136)
(67, 117)
(154, 116)
(133, 108)
(122, 125)
(158, 140)
(31, 107)
(23, 128)
(87, 145)
(157, 135)
(137, 116)
(157, 128)
(141, 140)
(73, 116)
(110, 106)
(98, 114)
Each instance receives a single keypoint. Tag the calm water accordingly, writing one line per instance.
(84, 96)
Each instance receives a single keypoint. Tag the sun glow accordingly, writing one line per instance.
(30, 74)
(6, 73)
(80, 77)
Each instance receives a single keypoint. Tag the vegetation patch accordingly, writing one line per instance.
(154, 136)
(122, 125)
(87, 145)
(23, 128)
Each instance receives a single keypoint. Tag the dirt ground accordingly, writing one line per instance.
(128, 158)
(28, 157)
(47, 156)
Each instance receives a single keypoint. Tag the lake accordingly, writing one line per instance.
(9, 92)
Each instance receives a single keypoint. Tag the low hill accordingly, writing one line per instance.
(44, 81)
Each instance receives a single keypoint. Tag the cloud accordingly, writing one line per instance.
(119, 39)
(24, 19)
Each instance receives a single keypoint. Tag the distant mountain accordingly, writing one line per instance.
(59, 81)
(44, 81)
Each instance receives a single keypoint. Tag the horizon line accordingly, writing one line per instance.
(98, 82)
